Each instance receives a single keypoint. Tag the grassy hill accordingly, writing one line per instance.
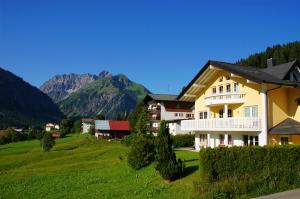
(78, 167)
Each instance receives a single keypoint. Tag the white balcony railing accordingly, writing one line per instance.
(222, 124)
(224, 98)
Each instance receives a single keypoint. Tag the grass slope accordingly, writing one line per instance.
(78, 167)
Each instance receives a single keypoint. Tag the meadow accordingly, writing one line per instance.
(80, 167)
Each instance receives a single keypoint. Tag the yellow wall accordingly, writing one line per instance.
(277, 106)
(293, 108)
(252, 95)
(276, 139)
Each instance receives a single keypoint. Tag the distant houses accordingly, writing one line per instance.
(51, 127)
(111, 128)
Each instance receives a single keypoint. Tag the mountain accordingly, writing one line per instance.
(61, 86)
(23, 105)
(88, 95)
(280, 54)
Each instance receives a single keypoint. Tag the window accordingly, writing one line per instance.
(180, 114)
(176, 114)
(251, 111)
(188, 115)
(220, 89)
(221, 139)
(256, 140)
(228, 88)
(203, 115)
(250, 140)
(229, 140)
(214, 90)
(236, 87)
(229, 113)
(284, 140)
(221, 113)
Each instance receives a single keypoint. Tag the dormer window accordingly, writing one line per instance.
(221, 89)
(214, 90)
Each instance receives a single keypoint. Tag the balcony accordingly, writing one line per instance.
(222, 124)
(224, 98)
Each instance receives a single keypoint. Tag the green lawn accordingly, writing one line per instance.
(78, 167)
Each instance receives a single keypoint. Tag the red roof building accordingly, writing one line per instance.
(119, 125)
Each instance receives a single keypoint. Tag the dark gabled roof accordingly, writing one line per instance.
(286, 127)
(160, 97)
(280, 71)
(249, 72)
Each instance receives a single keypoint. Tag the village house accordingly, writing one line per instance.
(86, 124)
(168, 108)
(51, 127)
(242, 105)
(111, 128)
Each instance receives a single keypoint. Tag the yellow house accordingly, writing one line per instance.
(242, 105)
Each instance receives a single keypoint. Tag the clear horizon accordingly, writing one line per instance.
(161, 45)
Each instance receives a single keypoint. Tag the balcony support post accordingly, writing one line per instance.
(208, 112)
(208, 140)
(225, 111)
(263, 136)
(226, 139)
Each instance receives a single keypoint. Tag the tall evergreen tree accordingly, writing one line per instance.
(167, 165)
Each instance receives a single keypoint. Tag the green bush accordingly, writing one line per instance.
(232, 172)
(129, 139)
(10, 135)
(47, 142)
(183, 140)
(167, 165)
(141, 151)
(66, 127)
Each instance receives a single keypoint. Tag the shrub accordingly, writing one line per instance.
(47, 142)
(129, 139)
(10, 135)
(141, 151)
(167, 165)
(92, 130)
(183, 140)
(240, 170)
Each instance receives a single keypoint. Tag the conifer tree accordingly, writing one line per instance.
(167, 165)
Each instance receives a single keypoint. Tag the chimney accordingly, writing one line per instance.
(270, 62)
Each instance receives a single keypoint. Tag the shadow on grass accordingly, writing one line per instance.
(191, 160)
(189, 170)
(65, 148)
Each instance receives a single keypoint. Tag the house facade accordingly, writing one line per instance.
(168, 108)
(86, 124)
(242, 105)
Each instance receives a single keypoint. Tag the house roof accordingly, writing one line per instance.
(249, 72)
(280, 71)
(160, 97)
(119, 125)
(112, 125)
(87, 120)
(286, 127)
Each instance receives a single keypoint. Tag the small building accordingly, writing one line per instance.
(111, 128)
(86, 124)
(50, 127)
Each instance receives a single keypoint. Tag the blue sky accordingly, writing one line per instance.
(161, 44)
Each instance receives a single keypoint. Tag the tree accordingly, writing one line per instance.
(167, 165)
(142, 124)
(141, 152)
(77, 126)
(66, 127)
(47, 142)
(135, 115)
(92, 130)
(99, 117)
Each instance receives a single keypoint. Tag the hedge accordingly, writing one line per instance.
(232, 172)
(183, 140)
